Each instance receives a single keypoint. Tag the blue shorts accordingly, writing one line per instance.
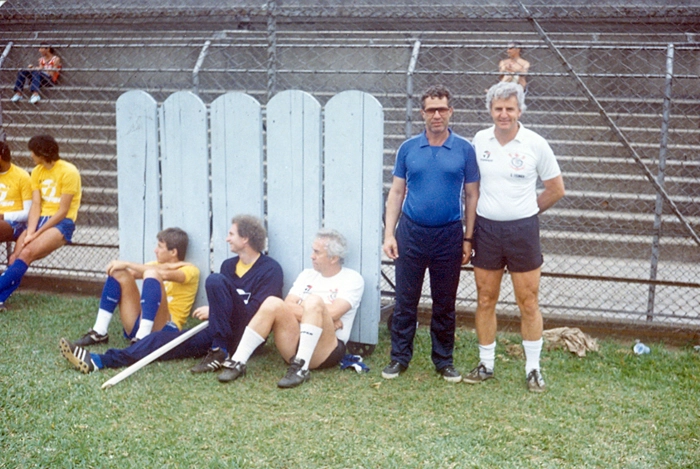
(515, 244)
(17, 228)
(169, 326)
(65, 226)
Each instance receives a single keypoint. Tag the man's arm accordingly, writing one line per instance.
(55, 219)
(553, 191)
(169, 271)
(394, 201)
(471, 197)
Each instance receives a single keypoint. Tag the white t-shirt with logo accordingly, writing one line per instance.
(346, 284)
(509, 173)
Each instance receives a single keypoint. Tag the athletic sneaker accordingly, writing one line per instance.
(16, 97)
(92, 338)
(232, 371)
(295, 375)
(393, 369)
(79, 357)
(35, 99)
(212, 362)
(478, 375)
(3, 308)
(450, 374)
(535, 381)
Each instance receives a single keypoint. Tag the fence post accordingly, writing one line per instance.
(659, 207)
(4, 55)
(198, 66)
(409, 87)
(271, 48)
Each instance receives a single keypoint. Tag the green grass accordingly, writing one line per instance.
(611, 409)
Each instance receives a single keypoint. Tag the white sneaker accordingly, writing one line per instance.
(35, 99)
(16, 97)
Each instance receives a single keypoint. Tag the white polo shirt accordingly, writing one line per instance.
(509, 173)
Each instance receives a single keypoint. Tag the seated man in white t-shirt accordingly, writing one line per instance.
(313, 323)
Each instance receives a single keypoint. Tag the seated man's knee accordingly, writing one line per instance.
(214, 281)
(271, 304)
(152, 273)
(314, 303)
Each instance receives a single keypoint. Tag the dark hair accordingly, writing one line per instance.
(174, 238)
(46, 46)
(44, 146)
(436, 91)
(250, 227)
(5, 154)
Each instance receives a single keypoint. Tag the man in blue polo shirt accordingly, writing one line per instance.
(432, 174)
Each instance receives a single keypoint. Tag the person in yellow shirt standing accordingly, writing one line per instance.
(15, 197)
(56, 193)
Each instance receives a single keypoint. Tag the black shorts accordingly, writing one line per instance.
(514, 244)
(335, 356)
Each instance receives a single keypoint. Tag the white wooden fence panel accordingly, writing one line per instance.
(185, 176)
(353, 160)
(236, 166)
(296, 166)
(293, 179)
(138, 178)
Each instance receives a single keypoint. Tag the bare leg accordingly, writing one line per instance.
(488, 286)
(526, 286)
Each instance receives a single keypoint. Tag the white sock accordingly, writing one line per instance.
(102, 321)
(487, 355)
(308, 339)
(145, 328)
(249, 342)
(532, 354)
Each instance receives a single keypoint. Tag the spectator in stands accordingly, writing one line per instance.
(511, 158)
(312, 324)
(438, 167)
(234, 295)
(167, 294)
(46, 74)
(15, 197)
(56, 194)
(514, 68)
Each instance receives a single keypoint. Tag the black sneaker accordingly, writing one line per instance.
(535, 381)
(232, 371)
(212, 362)
(393, 369)
(450, 374)
(295, 375)
(478, 375)
(79, 357)
(92, 338)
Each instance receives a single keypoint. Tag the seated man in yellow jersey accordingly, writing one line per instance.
(56, 194)
(166, 298)
(15, 197)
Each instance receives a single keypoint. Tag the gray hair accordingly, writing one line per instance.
(335, 243)
(504, 90)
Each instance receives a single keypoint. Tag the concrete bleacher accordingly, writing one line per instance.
(607, 194)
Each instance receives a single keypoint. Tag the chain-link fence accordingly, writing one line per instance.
(613, 86)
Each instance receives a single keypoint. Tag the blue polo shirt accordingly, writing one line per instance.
(435, 177)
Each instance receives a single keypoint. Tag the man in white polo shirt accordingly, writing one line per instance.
(511, 158)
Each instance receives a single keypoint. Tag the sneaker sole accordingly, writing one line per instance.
(452, 379)
(79, 364)
(224, 378)
(390, 375)
(471, 381)
(293, 385)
